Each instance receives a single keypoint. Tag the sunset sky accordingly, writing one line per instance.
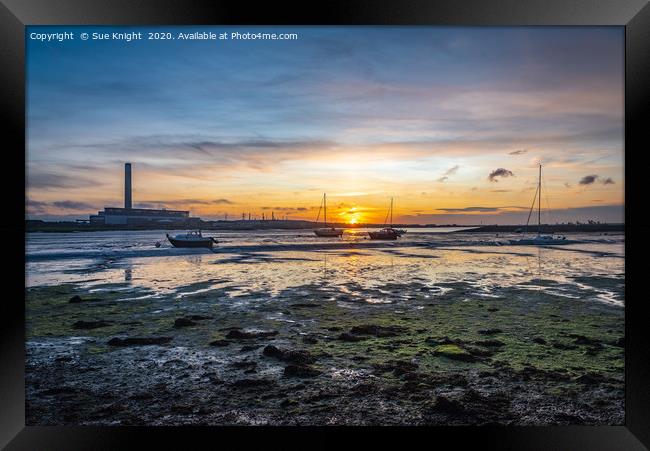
(451, 122)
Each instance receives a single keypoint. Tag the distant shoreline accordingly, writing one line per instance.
(65, 227)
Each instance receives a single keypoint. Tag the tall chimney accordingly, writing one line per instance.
(127, 185)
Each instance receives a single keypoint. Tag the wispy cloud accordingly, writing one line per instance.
(449, 172)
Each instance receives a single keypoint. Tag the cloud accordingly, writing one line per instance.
(470, 209)
(49, 180)
(162, 203)
(591, 179)
(501, 172)
(451, 171)
(289, 209)
(72, 205)
(588, 179)
(604, 213)
(481, 209)
(518, 152)
(36, 207)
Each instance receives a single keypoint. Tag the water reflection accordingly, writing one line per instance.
(367, 270)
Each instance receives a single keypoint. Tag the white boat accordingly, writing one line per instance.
(326, 232)
(539, 239)
(192, 239)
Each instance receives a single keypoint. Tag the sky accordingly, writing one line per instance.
(451, 122)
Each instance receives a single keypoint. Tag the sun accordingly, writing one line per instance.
(352, 221)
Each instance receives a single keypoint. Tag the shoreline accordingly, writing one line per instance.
(46, 227)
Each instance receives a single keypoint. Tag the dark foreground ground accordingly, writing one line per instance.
(317, 355)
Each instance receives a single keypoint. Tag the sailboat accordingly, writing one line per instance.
(327, 232)
(540, 239)
(387, 233)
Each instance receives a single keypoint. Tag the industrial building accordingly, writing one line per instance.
(139, 216)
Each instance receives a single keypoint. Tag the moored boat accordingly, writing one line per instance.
(387, 233)
(326, 232)
(192, 239)
(540, 239)
(384, 234)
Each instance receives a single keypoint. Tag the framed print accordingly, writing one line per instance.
(275, 219)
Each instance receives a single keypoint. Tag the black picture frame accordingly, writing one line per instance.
(15, 15)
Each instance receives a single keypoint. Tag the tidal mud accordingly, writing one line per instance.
(411, 353)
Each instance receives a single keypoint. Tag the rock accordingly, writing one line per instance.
(305, 305)
(300, 371)
(220, 343)
(349, 337)
(362, 332)
(582, 340)
(590, 379)
(244, 364)
(398, 367)
(620, 342)
(490, 343)
(299, 357)
(539, 340)
(76, 299)
(183, 322)
(490, 331)
(198, 317)
(454, 352)
(334, 329)
(309, 339)
(238, 334)
(138, 341)
(480, 352)
(492, 309)
(563, 346)
(86, 325)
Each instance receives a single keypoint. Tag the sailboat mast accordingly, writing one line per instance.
(325, 207)
(539, 202)
(391, 212)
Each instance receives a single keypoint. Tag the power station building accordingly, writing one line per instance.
(138, 216)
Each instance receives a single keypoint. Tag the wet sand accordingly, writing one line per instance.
(400, 335)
